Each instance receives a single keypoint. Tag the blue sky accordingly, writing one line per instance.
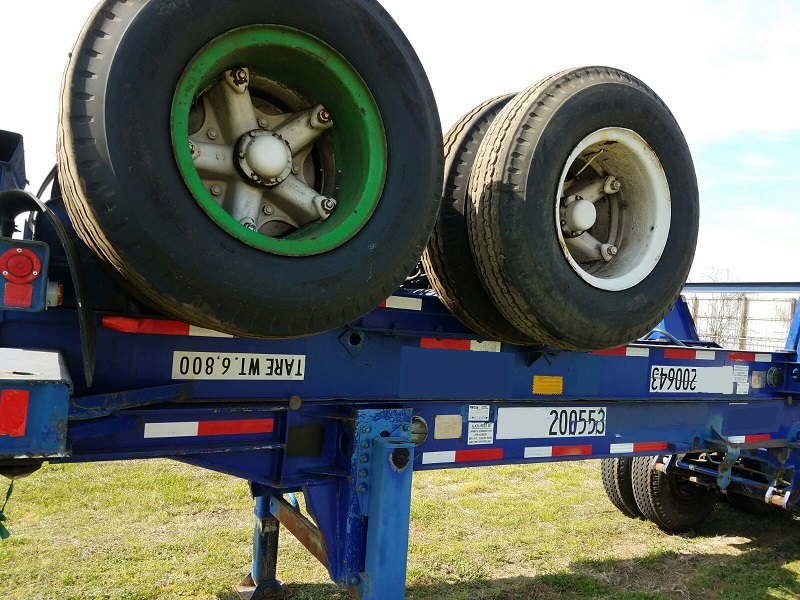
(725, 69)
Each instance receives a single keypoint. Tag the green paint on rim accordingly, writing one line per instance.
(309, 66)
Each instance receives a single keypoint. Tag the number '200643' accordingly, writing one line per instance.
(673, 379)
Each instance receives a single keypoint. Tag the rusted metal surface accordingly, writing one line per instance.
(300, 527)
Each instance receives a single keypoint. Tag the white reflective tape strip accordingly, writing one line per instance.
(404, 303)
(763, 357)
(435, 458)
(705, 355)
(168, 430)
(736, 439)
(538, 452)
(203, 332)
(621, 448)
(631, 351)
(477, 346)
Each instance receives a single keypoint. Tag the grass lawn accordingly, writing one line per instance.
(163, 530)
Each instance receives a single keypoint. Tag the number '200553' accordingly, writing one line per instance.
(577, 422)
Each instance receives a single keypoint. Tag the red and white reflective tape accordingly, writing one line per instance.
(749, 357)
(158, 327)
(748, 439)
(208, 428)
(402, 302)
(473, 345)
(554, 451)
(638, 447)
(689, 354)
(624, 351)
(457, 456)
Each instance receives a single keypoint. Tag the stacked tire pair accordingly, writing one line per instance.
(269, 169)
(672, 502)
(569, 214)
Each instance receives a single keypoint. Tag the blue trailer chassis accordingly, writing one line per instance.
(346, 416)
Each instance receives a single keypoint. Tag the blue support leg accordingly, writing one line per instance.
(384, 576)
(261, 583)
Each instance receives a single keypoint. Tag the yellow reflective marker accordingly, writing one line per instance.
(545, 385)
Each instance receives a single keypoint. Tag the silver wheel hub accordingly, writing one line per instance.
(613, 209)
(255, 160)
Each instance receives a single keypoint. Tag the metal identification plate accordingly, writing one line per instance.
(255, 367)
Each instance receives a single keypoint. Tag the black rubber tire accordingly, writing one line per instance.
(512, 226)
(448, 256)
(675, 505)
(618, 484)
(128, 200)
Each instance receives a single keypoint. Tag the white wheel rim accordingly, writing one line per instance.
(626, 239)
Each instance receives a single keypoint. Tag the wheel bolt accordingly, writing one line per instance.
(212, 134)
(612, 250)
(267, 209)
(262, 122)
(252, 134)
(216, 190)
(253, 176)
(328, 204)
(295, 169)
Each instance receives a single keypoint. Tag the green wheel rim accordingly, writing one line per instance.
(316, 71)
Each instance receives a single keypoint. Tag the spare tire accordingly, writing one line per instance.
(584, 213)
(448, 256)
(272, 169)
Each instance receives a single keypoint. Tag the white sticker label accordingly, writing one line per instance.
(703, 380)
(550, 422)
(261, 367)
(480, 433)
(741, 373)
(478, 412)
(742, 388)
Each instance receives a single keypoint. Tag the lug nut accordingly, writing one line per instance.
(328, 204)
(262, 122)
(216, 190)
(295, 169)
(267, 209)
(212, 134)
(612, 250)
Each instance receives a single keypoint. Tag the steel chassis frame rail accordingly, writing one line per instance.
(346, 416)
